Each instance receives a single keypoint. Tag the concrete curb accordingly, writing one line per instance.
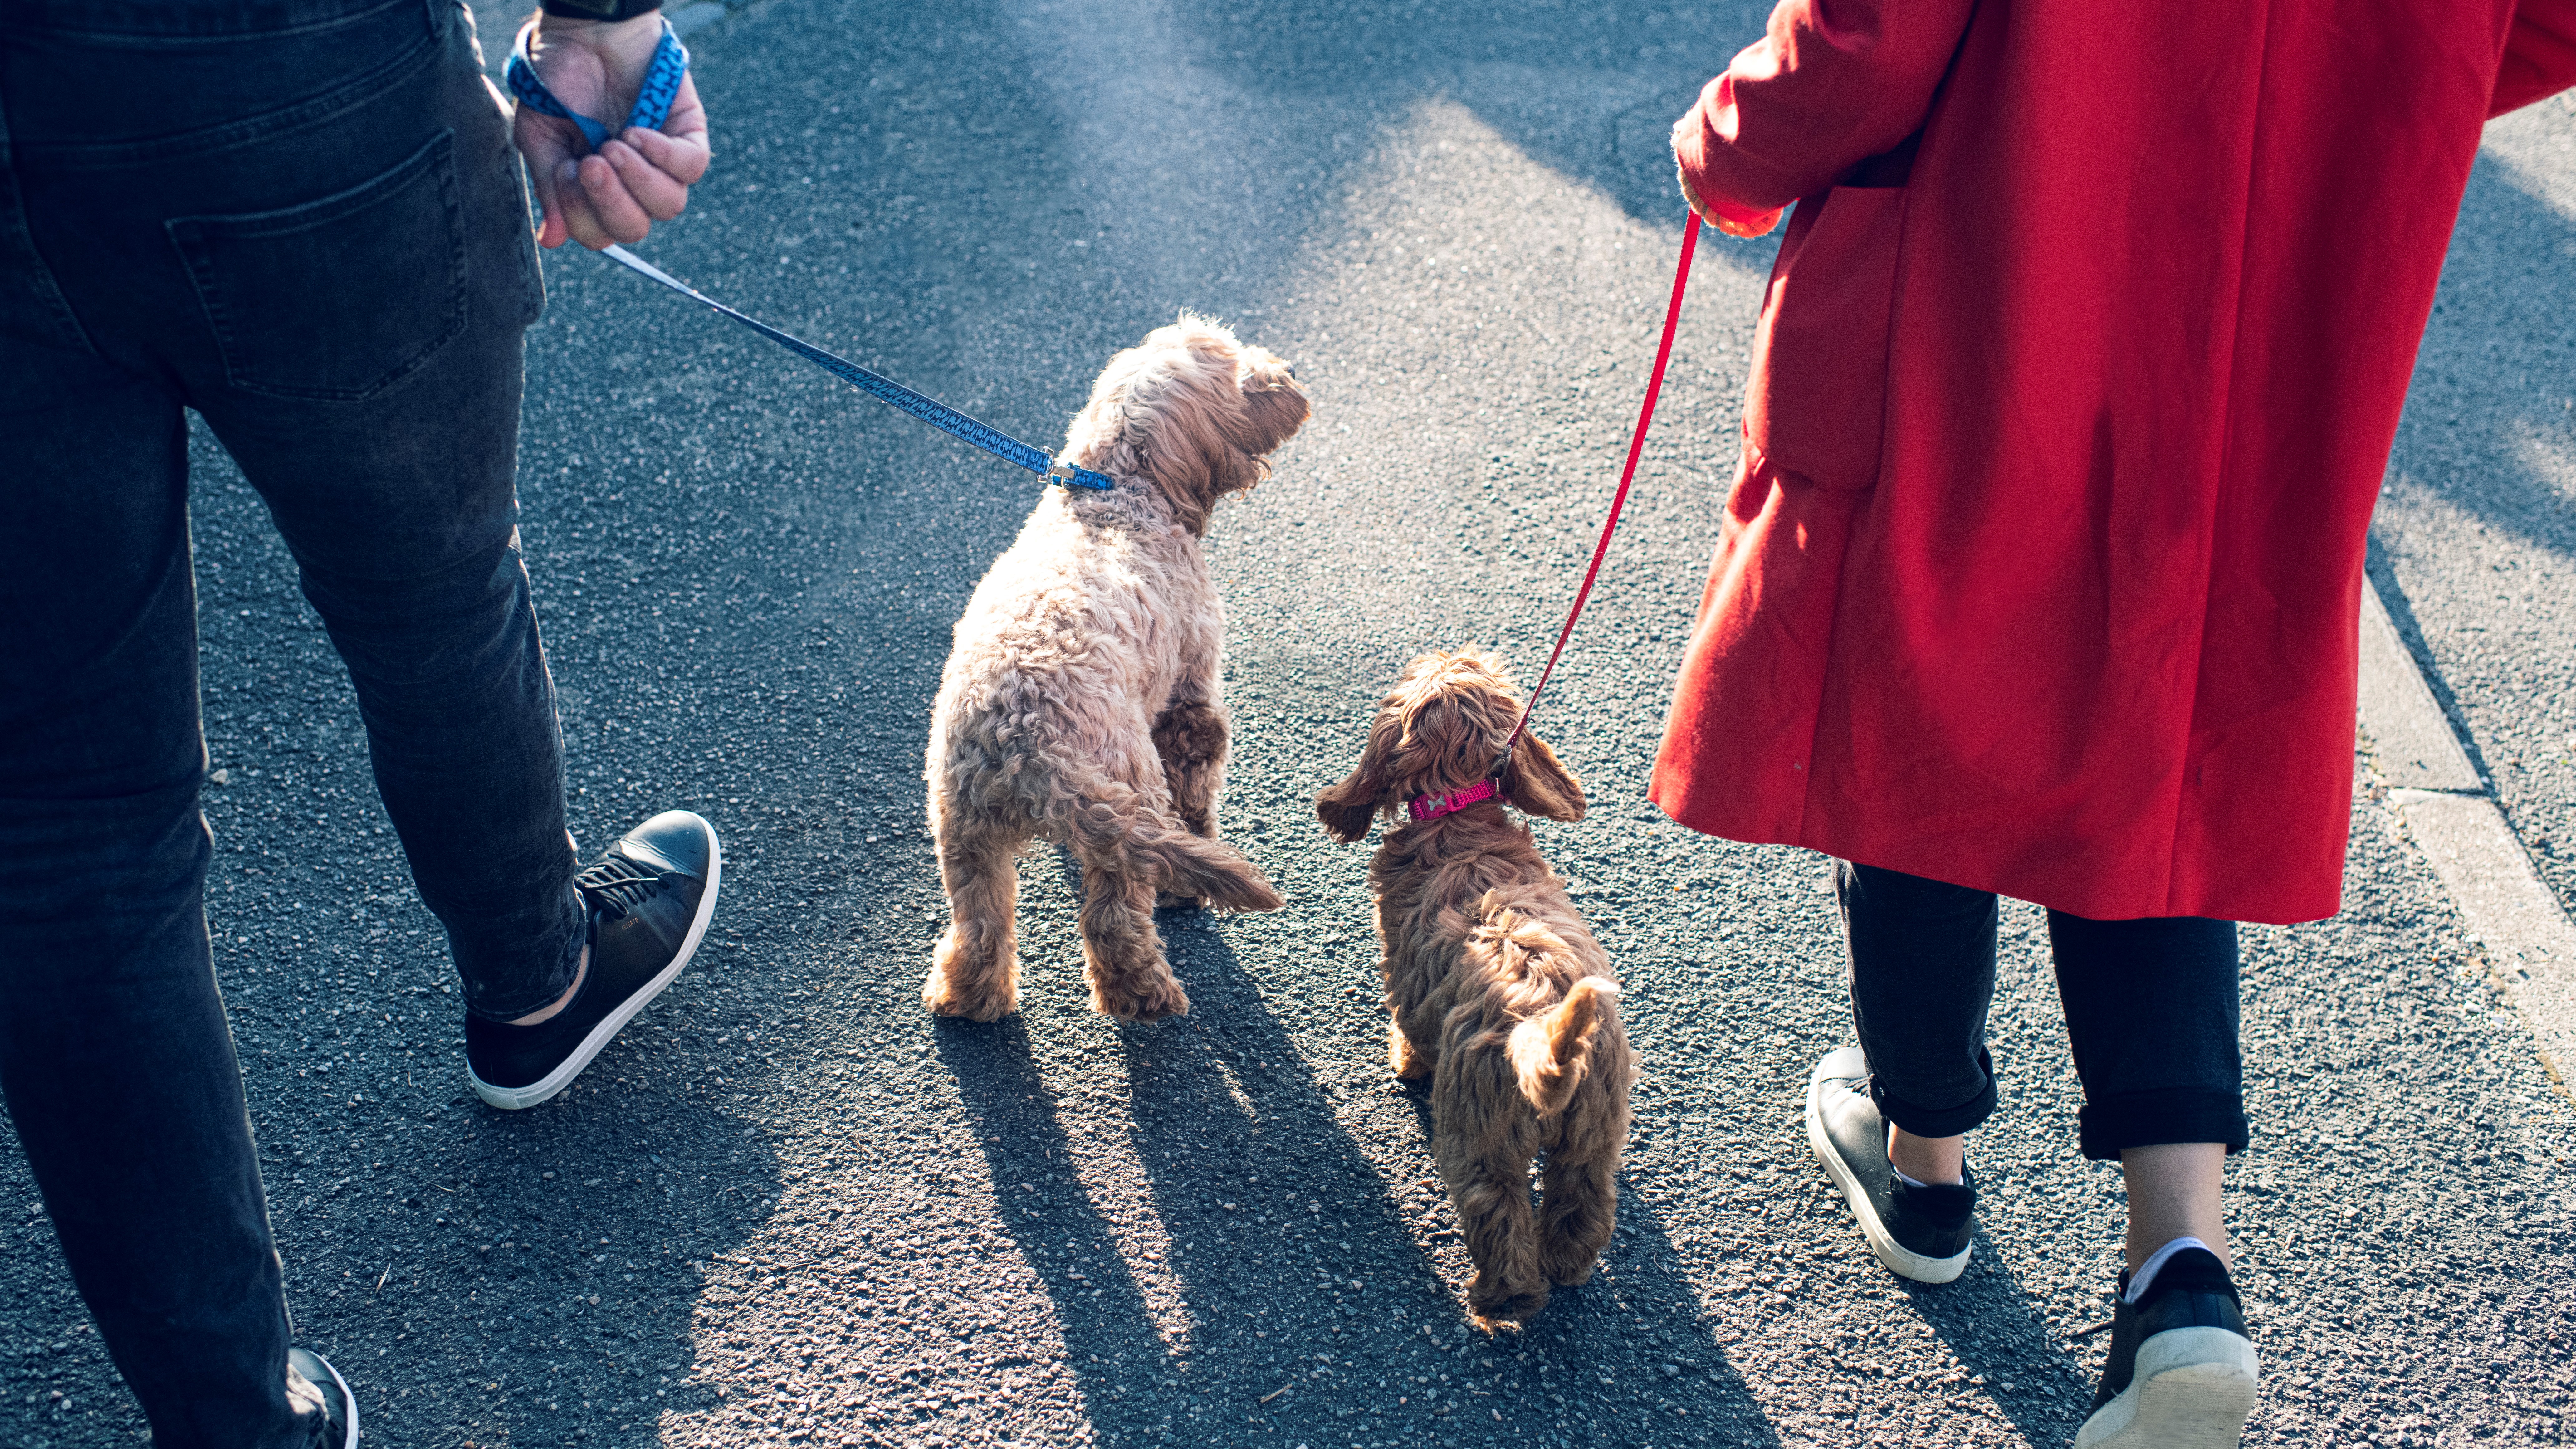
(2447, 808)
(2411, 739)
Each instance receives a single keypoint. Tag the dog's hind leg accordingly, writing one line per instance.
(1121, 953)
(1579, 1203)
(1191, 738)
(1482, 1139)
(1492, 1199)
(975, 968)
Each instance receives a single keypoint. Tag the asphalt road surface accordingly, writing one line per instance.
(2478, 523)
(789, 1208)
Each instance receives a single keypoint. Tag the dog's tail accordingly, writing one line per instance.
(1551, 1051)
(1111, 826)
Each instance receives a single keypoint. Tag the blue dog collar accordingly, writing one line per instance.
(652, 104)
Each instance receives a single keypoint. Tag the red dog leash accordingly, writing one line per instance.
(1432, 806)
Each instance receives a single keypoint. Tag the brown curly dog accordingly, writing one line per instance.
(1497, 990)
(1081, 701)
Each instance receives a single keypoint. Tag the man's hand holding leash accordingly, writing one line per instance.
(613, 189)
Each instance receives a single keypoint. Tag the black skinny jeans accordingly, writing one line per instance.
(302, 219)
(2150, 1012)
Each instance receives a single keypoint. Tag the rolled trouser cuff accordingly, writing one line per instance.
(2154, 1119)
(1921, 1121)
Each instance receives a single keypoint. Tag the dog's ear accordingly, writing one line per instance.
(1187, 451)
(1274, 407)
(1535, 782)
(1188, 472)
(1350, 807)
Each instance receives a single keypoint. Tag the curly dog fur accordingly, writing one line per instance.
(1081, 700)
(1496, 988)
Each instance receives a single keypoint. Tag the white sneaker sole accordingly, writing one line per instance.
(1894, 1255)
(519, 1099)
(2192, 1390)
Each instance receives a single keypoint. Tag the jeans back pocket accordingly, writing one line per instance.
(337, 299)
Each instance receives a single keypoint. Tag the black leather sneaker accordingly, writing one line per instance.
(2181, 1374)
(1918, 1232)
(650, 898)
(339, 1406)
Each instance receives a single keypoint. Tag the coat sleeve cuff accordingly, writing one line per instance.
(1695, 147)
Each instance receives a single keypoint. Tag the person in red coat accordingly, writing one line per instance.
(2074, 384)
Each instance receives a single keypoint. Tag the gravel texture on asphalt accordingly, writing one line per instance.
(2477, 526)
(788, 1207)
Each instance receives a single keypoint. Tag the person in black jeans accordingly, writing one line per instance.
(2151, 1014)
(304, 220)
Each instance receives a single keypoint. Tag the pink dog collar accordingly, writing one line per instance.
(1432, 807)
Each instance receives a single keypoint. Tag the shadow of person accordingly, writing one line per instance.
(566, 1263)
(2490, 418)
(1994, 1327)
(2491, 392)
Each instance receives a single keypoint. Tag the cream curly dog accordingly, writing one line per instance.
(1081, 701)
(1498, 992)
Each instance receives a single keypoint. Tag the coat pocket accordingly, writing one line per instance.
(1817, 402)
(337, 299)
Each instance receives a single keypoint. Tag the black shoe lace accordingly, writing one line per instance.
(617, 885)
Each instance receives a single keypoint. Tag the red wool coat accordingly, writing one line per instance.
(2040, 573)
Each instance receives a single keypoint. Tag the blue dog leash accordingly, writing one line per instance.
(938, 414)
(652, 107)
(652, 104)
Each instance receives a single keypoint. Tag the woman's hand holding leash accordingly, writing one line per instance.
(614, 190)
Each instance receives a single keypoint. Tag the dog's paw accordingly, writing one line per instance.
(1410, 1065)
(1140, 1000)
(989, 1006)
(1568, 1263)
(947, 991)
(1506, 1301)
